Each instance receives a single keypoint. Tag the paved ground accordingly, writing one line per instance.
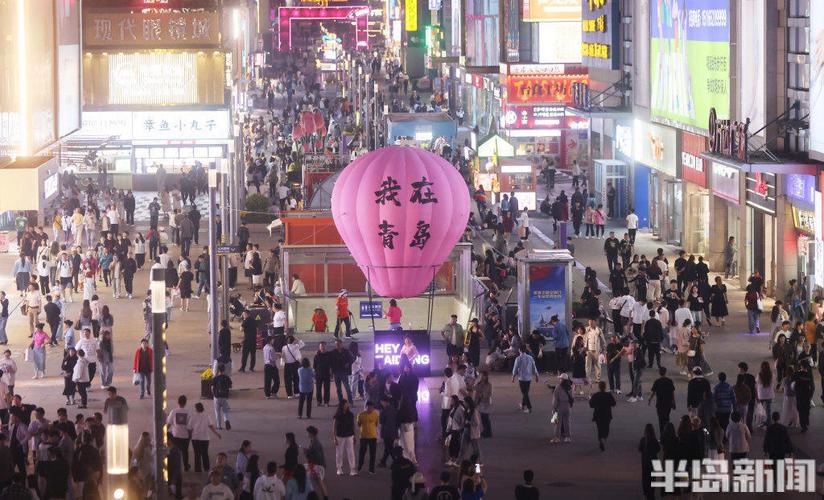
(520, 441)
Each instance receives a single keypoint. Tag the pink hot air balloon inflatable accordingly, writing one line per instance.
(400, 211)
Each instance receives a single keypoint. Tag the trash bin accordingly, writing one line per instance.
(206, 384)
(206, 388)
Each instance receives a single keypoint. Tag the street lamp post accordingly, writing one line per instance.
(158, 294)
(367, 124)
(117, 448)
(213, 269)
(226, 237)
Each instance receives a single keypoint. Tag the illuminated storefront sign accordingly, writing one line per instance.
(551, 10)
(804, 220)
(355, 14)
(761, 191)
(724, 182)
(156, 125)
(411, 14)
(150, 29)
(693, 167)
(516, 117)
(655, 146)
(153, 78)
(600, 33)
(801, 188)
(542, 89)
(623, 140)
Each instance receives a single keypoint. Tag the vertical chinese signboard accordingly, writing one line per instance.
(411, 15)
(599, 38)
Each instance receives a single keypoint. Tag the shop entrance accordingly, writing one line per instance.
(761, 232)
(696, 220)
(672, 217)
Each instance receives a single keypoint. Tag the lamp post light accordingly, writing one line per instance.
(157, 287)
(367, 124)
(213, 268)
(117, 447)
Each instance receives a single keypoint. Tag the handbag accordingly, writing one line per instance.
(691, 353)
(554, 419)
(354, 325)
(27, 354)
(24, 309)
(136, 379)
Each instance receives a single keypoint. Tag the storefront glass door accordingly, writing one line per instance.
(673, 217)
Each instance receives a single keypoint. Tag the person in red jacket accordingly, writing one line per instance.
(143, 366)
(342, 313)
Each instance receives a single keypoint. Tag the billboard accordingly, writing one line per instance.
(817, 80)
(640, 62)
(560, 42)
(68, 66)
(655, 146)
(547, 295)
(542, 89)
(153, 78)
(689, 61)
(388, 350)
(599, 38)
(537, 11)
(752, 57)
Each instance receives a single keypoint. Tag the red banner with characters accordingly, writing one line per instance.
(542, 89)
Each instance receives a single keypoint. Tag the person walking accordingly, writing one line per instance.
(144, 366)
(291, 358)
(323, 374)
(343, 429)
(180, 428)
(738, 437)
(483, 400)
(271, 376)
(388, 428)
(724, 400)
(221, 386)
(453, 334)
(37, 348)
(81, 377)
(201, 424)
(306, 383)
(594, 345)
(341, 364)
(524, 370)
(649, 447)
(663, 391)
(368, 432)
(562, 401)
(249, 327)
(632, 226)
(602, 403)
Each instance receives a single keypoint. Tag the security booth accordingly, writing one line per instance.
(544, 290)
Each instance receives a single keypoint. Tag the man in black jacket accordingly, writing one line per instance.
(341, 363)
(52, 311)
(777, 443)
(249, 327)
(129, 206)
(749, 381)
(696, 388)
(653, 336)
(323, 374)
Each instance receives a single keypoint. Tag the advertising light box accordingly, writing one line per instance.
(689, 61)
(551, 10)
(390, 352)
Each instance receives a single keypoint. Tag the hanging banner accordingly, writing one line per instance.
(542, 89)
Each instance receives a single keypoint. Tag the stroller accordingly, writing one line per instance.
(236, 307)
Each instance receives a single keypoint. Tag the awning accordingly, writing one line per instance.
(770, 168)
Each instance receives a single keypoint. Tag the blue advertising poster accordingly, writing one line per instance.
(370, 310)
(547, 295)
(390, 350)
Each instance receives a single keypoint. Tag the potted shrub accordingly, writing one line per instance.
(257, 209)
